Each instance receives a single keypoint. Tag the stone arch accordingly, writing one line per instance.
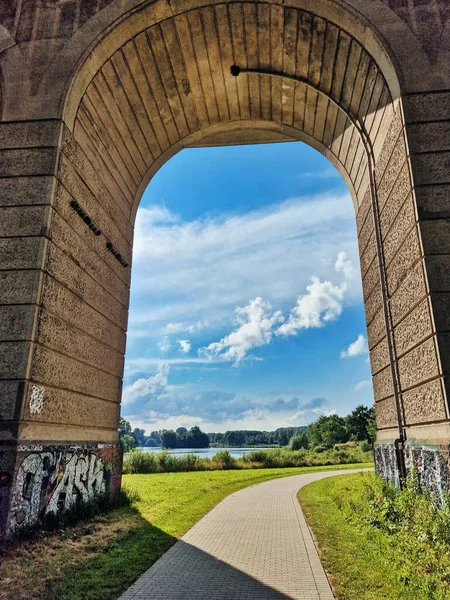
(134, 84)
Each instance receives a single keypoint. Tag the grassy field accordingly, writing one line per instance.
(378, 543)
(98, 559)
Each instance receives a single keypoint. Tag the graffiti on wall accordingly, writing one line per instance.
(50, 481)
(430, 463)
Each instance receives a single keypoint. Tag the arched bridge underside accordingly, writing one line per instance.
(96, 95)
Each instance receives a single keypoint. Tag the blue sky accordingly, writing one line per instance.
(246, 303)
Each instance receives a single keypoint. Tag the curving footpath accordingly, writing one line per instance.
(254, 545)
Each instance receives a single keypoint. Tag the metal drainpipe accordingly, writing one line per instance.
(399, 442)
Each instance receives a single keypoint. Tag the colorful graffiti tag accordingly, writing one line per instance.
(51, 480)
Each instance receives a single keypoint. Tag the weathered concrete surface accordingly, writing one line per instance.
(255, 544)
(96, 96)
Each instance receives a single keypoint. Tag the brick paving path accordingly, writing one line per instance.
(254, 545)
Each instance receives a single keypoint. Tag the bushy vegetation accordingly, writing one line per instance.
(378, 541)
(164, 462)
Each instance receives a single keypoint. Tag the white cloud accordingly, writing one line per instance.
(329, 173)
(153, 385)
(164, 344)
(323, 303)
(185, 326)
(189, 275)
(356, 348)
(185, 346)
(343, 265)
(306, 416)
(361, 385)
(255, 322)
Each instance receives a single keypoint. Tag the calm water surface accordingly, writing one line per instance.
(204, 452)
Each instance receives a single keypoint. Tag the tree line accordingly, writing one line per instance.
(164, 438)
(246, 438)
(326, 432)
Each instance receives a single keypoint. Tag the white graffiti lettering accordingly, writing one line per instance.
(52, 482)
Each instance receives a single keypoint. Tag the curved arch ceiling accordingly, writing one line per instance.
(170, 87)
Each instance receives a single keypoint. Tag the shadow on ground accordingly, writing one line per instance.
(201, 577)
(105, 576)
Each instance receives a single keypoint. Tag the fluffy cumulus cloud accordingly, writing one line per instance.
(255, 327)
(185, 346)
(257, 323)
(356, 348)
(362, 385)
(205, 267)
(344, 265)
(322, 303)
(152, 386)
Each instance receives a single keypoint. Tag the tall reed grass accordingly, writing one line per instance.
(165, 462)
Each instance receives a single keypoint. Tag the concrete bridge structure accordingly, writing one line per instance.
(96, 95)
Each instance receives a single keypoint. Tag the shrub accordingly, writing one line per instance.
(320, 448)
(418, 526)
(190, 462)
(298, 442)
(136, 462)
(167, 462)
(366, 446)
(224, 458)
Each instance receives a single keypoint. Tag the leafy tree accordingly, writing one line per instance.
(283, 437)
(327, 431)
(315, 434)
(139, 434)
(195, 438)
(126, 435)
(155, 437)
(124, 426)
(151, 443)
(168, 439)
(181, 430)
(299, 441)
(128, 442)
(234, 438)
(358, 423)
(333, 430)
(371, 426)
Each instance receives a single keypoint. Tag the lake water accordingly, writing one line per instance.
(204, 452)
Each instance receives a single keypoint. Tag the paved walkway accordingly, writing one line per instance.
(254, 545)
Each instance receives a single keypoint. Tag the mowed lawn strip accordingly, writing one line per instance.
(363, 562)
(99, 559)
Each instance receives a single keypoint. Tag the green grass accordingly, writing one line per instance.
(378, 543)
(101, 558)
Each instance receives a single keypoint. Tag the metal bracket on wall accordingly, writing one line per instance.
(116, 254)
(86, 218)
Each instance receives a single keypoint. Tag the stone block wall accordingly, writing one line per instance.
(414, 221)
(62, 334)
